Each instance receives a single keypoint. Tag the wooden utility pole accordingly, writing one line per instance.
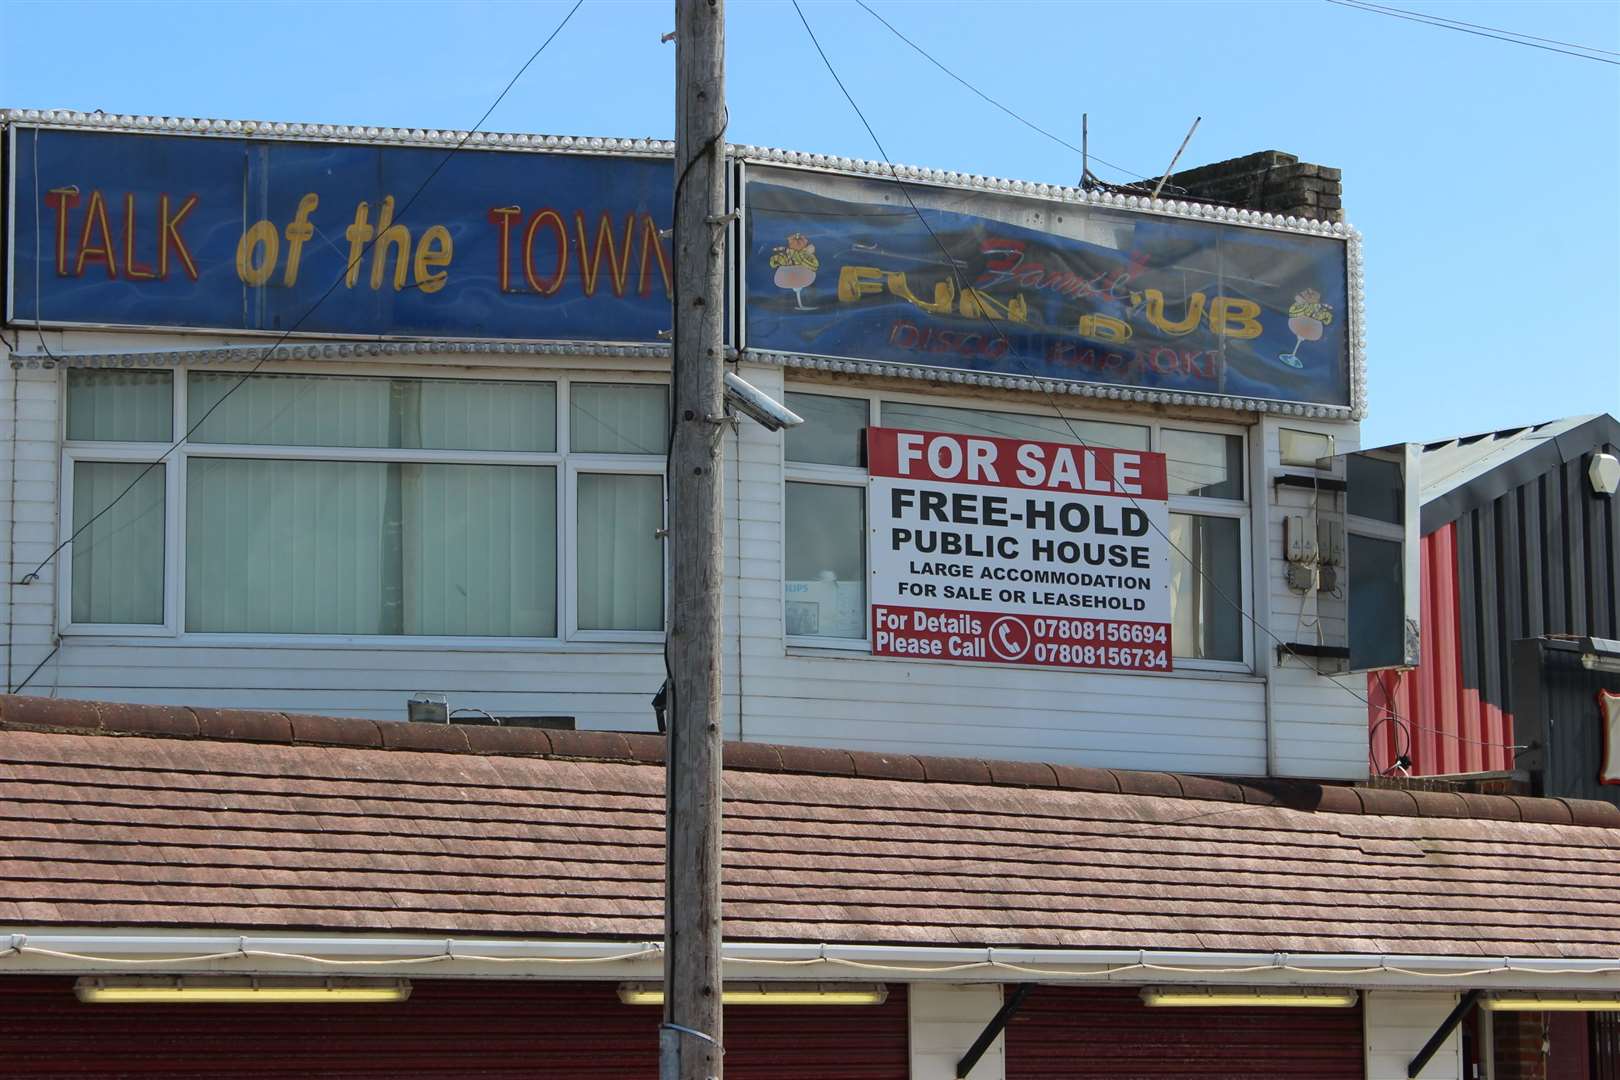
(689, 1042)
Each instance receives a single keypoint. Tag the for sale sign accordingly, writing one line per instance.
(1012, 551)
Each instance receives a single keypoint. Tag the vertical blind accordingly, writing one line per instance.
(401, 414)
(120, 406)
(319, 544)
(359, 547)
(118, 557)
(620, 558)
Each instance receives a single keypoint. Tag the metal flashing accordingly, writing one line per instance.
(1502, 461)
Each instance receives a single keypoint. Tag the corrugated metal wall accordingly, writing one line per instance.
(1067, 1033)
(448, 1029)
(1443, 725)
(1544, 558)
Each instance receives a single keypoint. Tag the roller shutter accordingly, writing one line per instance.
(448, 1029)
(1064, 1033)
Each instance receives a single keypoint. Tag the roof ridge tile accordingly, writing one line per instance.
(180, 723)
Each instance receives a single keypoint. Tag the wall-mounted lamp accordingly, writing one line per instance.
(1604, 474)
(1601, 654)
(237, 990)
(1227, 997)
(764, 993)
(1526, 1001)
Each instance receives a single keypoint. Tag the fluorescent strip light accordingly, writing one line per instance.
(770, 994)
(239, 991)
(1533, 1002)
(1207, 997)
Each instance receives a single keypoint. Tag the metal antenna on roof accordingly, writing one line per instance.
(1085, 151)
(1172, 166)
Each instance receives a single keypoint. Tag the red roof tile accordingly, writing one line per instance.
(115, 816)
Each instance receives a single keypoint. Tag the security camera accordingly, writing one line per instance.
(759, 406)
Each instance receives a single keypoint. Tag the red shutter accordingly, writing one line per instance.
(1073, 1032)
(532, 1030)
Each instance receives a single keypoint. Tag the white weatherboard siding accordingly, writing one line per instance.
(945, 1019)
(1398, 1024)
(1212, 722)
(30, 409)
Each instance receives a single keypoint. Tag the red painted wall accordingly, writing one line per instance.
(1427, 713)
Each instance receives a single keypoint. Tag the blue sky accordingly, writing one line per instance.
(1483, 175)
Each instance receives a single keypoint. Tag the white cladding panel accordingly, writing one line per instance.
(1209, 721)
(1398, 1024)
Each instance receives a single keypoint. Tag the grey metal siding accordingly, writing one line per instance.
(1556, 715)
(1541, 558)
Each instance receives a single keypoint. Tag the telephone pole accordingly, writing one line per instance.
(690, 1039)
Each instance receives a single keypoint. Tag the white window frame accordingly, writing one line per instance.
(854, 476)
(616, 465)
(566, 470)
(131, 453)
(1242, 510)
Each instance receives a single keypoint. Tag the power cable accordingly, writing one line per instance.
(986, 97)
(1499, 30)
(33, 574)
(1050, 397)
(1477, 31)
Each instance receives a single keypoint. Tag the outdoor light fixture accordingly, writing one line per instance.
(1225, 997)
(764, 993)
(237, 990)
(1601, 654)
(1530, 1001)
(1604, 474)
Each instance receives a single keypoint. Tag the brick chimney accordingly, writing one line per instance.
(1270, 181)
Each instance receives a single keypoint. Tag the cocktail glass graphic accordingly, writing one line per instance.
(1308, 319)
(796, 264)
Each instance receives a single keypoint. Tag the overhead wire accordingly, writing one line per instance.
(1012, 353)
(1509, 36)
(269, 351)
(1477, 26)
(926, 55)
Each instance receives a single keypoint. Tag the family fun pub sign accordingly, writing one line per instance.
(870, 268)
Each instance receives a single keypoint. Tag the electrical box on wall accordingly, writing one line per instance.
(1361, 544)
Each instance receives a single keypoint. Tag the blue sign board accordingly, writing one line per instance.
(244, 234)
(845, 266)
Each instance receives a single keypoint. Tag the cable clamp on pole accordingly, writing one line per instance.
(694, 1032)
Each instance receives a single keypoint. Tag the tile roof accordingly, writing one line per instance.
(133, 816)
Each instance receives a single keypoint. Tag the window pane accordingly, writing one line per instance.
(1377, 607)
(361, 547)
(832, 430)
(1014, 425)
(118, 560)
(1205, 464)
(1205, 624)
(1374, 489)
(825, 587)
(401, 414)
(621, 559)
(618, 419)
(120, 406)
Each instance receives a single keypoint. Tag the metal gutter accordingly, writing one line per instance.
(91, 951)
